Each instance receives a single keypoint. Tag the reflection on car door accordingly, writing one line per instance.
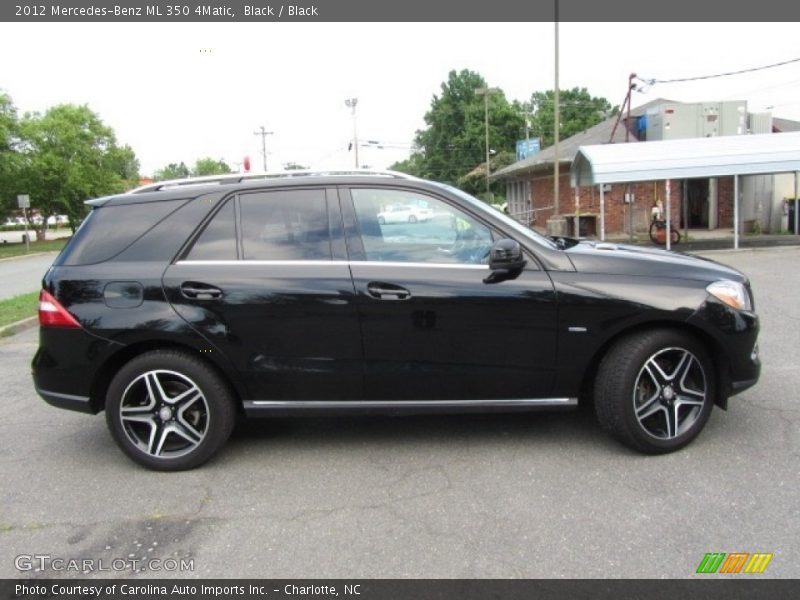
(431, 328)
(267, 283)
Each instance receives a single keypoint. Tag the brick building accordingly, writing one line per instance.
(696, 203)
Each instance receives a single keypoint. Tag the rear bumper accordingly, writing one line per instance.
(66, 365)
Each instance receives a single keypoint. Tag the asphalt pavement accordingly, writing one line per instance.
(24, 274)
(534, 495)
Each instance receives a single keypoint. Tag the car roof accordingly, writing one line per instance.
(192, 187)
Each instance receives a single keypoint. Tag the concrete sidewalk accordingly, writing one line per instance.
(715, 239)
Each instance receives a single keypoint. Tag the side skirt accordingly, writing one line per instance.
(273, 408)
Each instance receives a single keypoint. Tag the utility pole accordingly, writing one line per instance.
(486, 92)
(351, 103)
(557, 113)
(264, 133)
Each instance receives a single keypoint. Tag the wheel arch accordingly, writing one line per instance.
(120, 358)
(713, 347)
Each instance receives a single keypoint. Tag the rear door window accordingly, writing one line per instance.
(285, 225)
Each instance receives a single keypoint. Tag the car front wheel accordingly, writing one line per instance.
(655, 390)
(169, 411)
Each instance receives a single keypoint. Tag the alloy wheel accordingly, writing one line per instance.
(164, 414)
(669, 393)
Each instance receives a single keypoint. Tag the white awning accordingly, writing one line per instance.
(686, 159)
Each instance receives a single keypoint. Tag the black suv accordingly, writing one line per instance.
(179, 306)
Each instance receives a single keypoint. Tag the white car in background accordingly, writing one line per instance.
(404, 213)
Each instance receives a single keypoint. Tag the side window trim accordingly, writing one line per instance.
(354, 243)
(237, 225)
(336, 225)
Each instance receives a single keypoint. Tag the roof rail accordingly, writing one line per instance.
(240, 177)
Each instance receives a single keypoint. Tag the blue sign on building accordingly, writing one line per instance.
(526, 148)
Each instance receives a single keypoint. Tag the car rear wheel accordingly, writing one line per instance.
(381, 221)
(655, 390)
(412, 219)
(169, 411)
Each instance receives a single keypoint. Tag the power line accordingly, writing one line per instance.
(739, 72)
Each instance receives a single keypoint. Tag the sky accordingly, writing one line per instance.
(182, 91)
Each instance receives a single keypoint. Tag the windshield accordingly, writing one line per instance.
(515, 225)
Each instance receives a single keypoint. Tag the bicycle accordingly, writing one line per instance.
(658, 234)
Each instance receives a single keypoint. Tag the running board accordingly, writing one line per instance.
(298, 407)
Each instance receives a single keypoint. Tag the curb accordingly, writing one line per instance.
(22, 256)
(19, 326)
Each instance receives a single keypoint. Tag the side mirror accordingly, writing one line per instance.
(505, 261)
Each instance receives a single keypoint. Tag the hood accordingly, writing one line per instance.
(622, 259)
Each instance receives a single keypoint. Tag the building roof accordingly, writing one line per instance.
(783, 125)
(568, 148)
(687, 158)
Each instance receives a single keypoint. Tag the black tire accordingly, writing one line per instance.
(676, 236)
(653, 232)
(412, 219)
(169, 411)
(654, 390)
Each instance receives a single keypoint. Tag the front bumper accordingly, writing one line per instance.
(735, 336)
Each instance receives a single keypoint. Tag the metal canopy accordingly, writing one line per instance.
(685, 159)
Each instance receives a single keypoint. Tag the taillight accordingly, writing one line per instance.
(52, 314)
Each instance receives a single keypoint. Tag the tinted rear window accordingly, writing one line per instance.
(110, 229)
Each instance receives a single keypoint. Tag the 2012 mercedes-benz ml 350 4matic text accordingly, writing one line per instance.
(181, 305)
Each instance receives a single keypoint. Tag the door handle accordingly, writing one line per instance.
(387, 291)
(200, 291)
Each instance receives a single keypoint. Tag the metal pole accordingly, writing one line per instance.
(796, 185)
(355, 134)
(685, 206)
(667, 189)
(351, 103)
(486, 126)
(736, 211)
(629, 202)
(485, 91)
(557, 114)
(27, 237)
(577, 211)
(602, 213)
(264, 133)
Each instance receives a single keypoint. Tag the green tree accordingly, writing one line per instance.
(474, 182)
(454, 141)
(579, 110)
(413, 165)
(9, 158)
(172, 171)
(209, 166)
(68, 155)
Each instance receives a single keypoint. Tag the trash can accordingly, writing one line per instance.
(25, 238)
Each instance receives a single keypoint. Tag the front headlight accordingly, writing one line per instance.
(732, 293)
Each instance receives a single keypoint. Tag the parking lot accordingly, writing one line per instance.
(533, 495)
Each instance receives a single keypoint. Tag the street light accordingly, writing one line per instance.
(486, 92)
(351, 104)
